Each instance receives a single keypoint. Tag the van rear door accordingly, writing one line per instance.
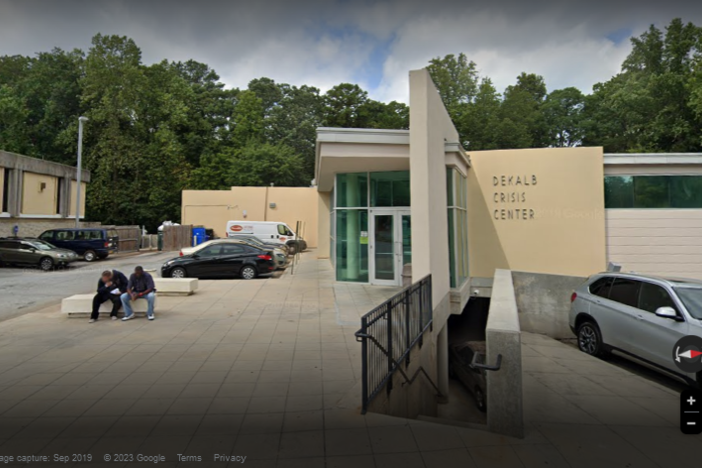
(112, 240)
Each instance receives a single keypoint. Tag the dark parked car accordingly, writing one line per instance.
(27, 251)
(460, 368)
(251, 239)
(90, 243)
(221, 260)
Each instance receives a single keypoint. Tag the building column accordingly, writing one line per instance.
(442, 364)
(63, 195)
(14, 192)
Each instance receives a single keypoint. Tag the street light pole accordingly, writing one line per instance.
(79, 168)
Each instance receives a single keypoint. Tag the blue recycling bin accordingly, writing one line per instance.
(199, 236)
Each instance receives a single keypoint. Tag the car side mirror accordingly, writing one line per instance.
(668, 312)
(195, 255)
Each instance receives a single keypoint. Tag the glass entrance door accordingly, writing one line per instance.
(390, 245)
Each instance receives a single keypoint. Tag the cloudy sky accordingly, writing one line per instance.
(372, 43)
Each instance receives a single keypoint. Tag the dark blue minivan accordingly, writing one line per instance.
(91, 243)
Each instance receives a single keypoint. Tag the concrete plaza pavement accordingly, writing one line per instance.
(269, 370)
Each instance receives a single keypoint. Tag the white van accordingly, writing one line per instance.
(269, 232)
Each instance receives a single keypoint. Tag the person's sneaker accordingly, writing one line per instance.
(91, 321)
(127, 317)
(114, 317)
(151, 317)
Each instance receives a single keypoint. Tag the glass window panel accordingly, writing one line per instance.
(384, 247)
(452, 250)
(449, 186)
(390, 188)
(653, 296)
(406, 239)
(651, 192)
(619, 192)
(625, 291)
(351, 246)
(686, 191)
(352, 190)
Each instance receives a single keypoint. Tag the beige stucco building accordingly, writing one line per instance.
(386, 205)
(36, 195)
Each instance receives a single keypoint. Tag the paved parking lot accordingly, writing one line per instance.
(269, 369)
(29, 289)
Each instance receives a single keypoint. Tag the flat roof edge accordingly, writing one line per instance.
(652, 158)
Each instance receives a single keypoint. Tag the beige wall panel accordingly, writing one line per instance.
(294, 204)
(659, 242)
(430, 129)
(37, 200)
(213, 208)
(557, 224)
(324, 225)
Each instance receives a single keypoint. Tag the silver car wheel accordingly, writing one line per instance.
(588, 339)
(248, 273)
(46, 264)
(178, 273)
(89, 256)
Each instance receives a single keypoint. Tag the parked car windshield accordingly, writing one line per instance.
(41, 245)
(692, 298)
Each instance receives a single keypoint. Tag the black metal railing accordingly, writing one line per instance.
(389, 332)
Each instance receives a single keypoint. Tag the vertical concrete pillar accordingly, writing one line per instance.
(442, 364)
(430, 127)
(15, 192)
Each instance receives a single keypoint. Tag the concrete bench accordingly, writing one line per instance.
(175, 286)
(81, 305)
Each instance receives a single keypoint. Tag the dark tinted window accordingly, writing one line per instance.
(65, 235)
(601, 287)
(652, 297)
(625, 291)
(211, 251)
(93, 235)
(47, 236)
(232, 249)
(9, 245)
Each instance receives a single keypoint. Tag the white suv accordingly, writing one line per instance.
(639, 316)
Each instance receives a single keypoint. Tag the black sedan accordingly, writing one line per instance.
(223, 260)
(460, 368)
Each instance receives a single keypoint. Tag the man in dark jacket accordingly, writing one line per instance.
(110, 287)
(141, 286)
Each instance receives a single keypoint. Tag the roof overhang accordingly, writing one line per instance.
(344, 150)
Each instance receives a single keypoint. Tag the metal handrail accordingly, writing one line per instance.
(388, 334)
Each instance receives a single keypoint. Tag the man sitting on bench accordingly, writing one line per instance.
(141, 286)
(110, 286)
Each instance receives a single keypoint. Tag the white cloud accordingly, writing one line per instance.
(323, 42)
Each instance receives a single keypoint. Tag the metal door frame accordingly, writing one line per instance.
(397, 214)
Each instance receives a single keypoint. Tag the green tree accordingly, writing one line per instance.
(479, 124)
(114, 85)
(294, 122)
(248, 119)
(13, 115)
(343, 106)
(563, 113)
(456, 79)
(259, 164)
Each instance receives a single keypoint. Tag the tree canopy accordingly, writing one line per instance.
(155, 130)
